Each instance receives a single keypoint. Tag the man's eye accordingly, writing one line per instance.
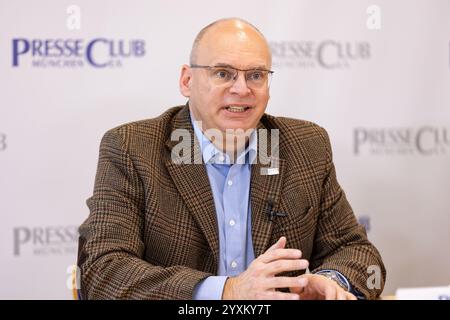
(223, 74)
(256, 76)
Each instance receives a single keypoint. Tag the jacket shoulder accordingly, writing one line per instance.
(299, 131)
(152, 130)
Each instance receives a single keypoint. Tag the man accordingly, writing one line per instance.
(239, 224)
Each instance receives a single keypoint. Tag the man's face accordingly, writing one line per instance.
(235, 45)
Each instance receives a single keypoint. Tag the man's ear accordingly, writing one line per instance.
(185, 80)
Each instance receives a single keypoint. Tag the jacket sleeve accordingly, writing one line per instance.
(111, 248)
(341, 243)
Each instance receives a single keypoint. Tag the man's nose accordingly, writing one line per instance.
(239, 85)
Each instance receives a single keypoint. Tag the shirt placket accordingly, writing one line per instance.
(233, 226)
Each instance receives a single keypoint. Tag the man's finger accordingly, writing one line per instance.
(350, 296)
(341, 295)
(330, 292)
(287, 282)
(281, 243)
(278, 266)
(278, 254)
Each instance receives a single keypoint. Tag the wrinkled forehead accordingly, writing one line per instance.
(240, 47)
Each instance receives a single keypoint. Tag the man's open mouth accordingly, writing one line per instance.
(237, 109)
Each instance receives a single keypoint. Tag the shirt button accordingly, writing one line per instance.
(230, 183)
(234, 264)
(221, 158)
(232, 222)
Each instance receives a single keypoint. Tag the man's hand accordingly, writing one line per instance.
(321, 288)
(259, 281)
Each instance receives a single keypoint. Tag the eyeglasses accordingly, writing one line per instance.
(224, 76)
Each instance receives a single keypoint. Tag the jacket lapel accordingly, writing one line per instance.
(192, 182)
(266, 183)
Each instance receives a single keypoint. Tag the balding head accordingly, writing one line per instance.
(240, 28)
(227, 44)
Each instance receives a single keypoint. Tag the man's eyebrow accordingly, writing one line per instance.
(258, 67)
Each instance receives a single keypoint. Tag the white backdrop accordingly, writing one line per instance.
(377, 79)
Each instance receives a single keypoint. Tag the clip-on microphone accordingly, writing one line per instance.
(272, 214)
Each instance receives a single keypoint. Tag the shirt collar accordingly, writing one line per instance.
(211, 154)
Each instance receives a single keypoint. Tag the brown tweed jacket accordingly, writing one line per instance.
(152, 229)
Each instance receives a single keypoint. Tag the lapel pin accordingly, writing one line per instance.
(269, 171)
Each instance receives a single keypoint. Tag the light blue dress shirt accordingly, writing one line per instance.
(230, 185)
